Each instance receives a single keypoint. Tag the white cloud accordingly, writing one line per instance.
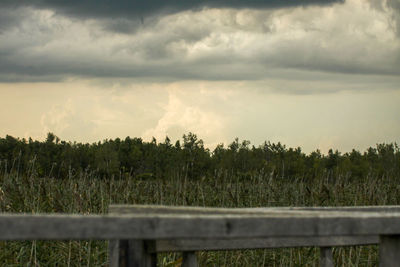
(187, 111)
(72, 120)
(57, 119)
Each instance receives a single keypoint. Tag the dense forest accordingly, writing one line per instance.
(64, 177)
(133, 157)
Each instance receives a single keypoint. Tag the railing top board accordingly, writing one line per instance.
(145, 209)
(171, 226)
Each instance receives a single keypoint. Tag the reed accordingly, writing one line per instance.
(85, 193)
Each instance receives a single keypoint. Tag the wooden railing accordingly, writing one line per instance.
(137, 233)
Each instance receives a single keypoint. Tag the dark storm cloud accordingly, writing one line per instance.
(139, 8)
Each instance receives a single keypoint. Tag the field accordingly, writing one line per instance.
(86, 193)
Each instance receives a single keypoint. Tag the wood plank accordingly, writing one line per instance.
(113, 253)
(256, 243)
(389, 251)
(349, 208)
(326, 257)
(155, 209)
(178, 226)
(145, 209)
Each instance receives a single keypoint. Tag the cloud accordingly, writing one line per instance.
(81, 111)
(139, 9)
(66, 121)
(207, 44)
(216, 111)
(10, 18)
(186, 111)
(392, 7)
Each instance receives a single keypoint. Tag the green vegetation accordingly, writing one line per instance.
(56, 176)
(138, 159)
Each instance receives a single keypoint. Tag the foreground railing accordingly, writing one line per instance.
(137, 233)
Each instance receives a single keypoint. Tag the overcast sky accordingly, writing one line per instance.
(312, 73)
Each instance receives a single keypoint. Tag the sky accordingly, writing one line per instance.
(315, 74)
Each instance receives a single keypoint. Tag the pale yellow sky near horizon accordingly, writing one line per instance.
(216, 111)
(318, 76)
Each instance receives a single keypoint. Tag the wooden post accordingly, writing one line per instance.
(118, 253)
(189, 259)
(389, 251)
(326, 257)
(130, 253)
(113, 253)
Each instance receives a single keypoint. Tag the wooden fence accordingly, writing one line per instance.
(137, 233)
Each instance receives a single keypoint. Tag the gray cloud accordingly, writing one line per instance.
(11, 17)
(124, 16)
(212, 44)
(393, 6)
(138, 8)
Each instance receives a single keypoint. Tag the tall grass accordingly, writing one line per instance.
(85, 194)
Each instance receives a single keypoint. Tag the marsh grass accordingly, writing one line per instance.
(86, 194)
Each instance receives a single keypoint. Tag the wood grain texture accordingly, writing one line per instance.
(326, 257)
(160, 209)
(179, 226)
(389, 251)
(113, 253)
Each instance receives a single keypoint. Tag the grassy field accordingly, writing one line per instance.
(88, 194)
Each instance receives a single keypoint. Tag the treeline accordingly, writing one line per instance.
(132, 157)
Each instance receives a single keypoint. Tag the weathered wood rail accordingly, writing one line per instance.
(137, 233)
